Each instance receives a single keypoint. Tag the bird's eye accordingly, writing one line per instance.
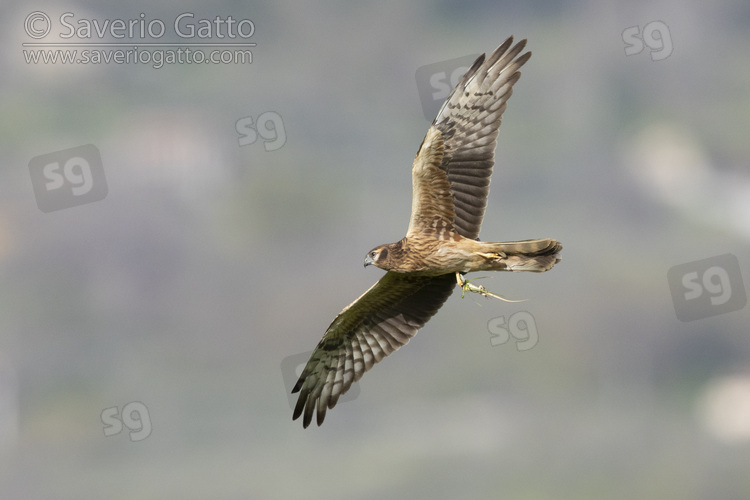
(373, 254)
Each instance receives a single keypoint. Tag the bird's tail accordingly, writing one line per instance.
(529, 255)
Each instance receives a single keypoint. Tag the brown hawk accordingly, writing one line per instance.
(450, 179)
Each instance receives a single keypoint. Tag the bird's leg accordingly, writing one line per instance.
(492, 255)
(467, 286)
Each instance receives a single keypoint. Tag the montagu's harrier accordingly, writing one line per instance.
(450, 178)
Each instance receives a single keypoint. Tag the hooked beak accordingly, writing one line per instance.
(368, 261)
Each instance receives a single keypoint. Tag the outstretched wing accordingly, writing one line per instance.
(451, 173)
(380, 321)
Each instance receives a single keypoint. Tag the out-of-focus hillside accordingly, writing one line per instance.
(241, 199)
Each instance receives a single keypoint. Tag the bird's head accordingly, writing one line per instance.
(378, 256)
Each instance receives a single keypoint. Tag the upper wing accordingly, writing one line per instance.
(451, 173)
(380, 321)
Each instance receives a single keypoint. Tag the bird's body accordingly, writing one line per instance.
(434, 257)
(450, 179)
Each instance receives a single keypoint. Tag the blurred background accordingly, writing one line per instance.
(160, 289)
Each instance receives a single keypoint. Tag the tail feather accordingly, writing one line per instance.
(531, 255)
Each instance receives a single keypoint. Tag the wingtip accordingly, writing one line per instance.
(321, 416)
(504, 46)
(298, 412)
(521, 60)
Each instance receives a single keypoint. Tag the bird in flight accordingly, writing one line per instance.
(450, 183)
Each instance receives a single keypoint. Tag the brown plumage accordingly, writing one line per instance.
(450, 179)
